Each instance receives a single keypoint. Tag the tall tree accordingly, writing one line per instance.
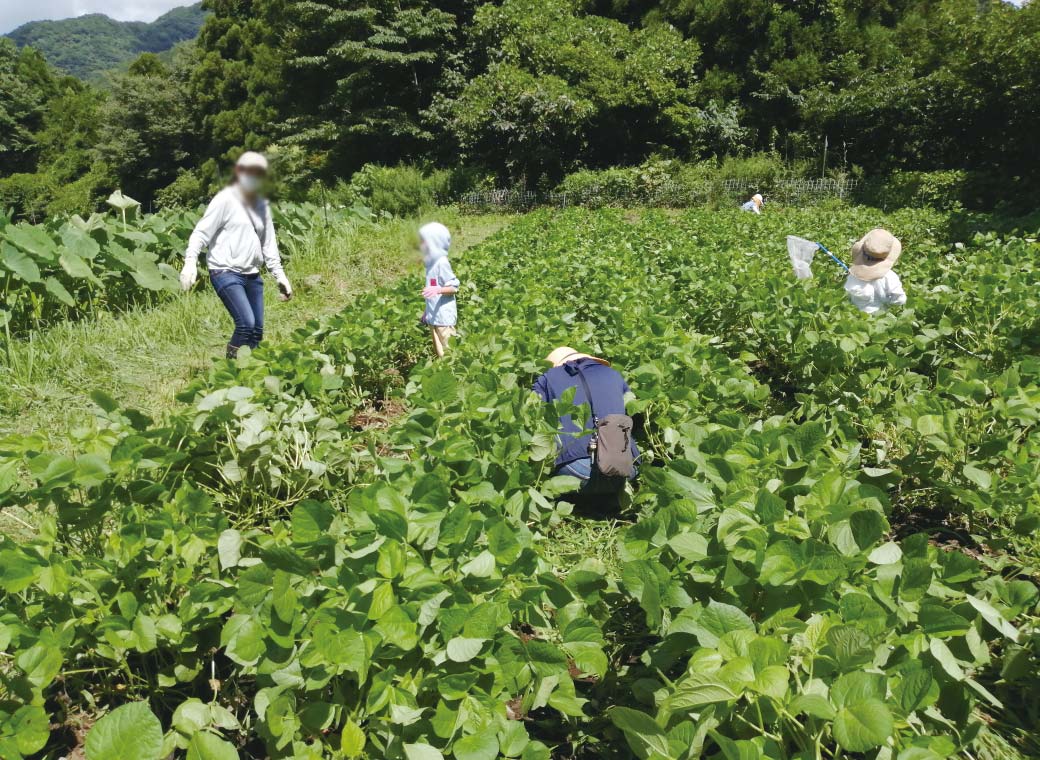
(922, 97)
(362, 73)
(26, 84)
(237, 83)
(556, 85)
(148, 130)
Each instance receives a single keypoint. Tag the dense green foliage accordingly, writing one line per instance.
(281, 570)
(88, 46)
(532, 91)
(49, 130)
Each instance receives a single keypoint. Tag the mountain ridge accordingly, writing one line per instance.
(86, 46)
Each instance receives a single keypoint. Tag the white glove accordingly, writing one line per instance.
(284, 287)
(189, 274)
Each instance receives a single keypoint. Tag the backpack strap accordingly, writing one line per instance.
(249, 216)
(588, 394)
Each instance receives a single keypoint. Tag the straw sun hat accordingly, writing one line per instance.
(565, 354)
(874, 255)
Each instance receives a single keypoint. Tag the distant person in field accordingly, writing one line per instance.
(603, 454)
(238, 231)
(872, 284)
(754, 205)
(440, 285)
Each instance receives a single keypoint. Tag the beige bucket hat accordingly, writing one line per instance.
(565, 354)
(874, 255)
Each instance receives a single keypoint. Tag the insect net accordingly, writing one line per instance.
(801, 252)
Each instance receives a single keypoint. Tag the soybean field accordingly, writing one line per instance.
(336, 547)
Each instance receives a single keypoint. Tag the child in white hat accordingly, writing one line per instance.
(440, 285)
(872, 284)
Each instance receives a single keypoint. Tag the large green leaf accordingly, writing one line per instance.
(815, 705)
(79, 243)
(19, 263)
(229, 548)
(993, 617)
(311, 521)
(421, 752)
(851, 645)
(938, 620)
(440, 386)
(33, 240)
(58, 290)
(461, 649)
(128, 731)
(284, 558)
(643, 733)
(647, 581)
(941, 652)
(717, 619)
(852, 688)
(696, 690)
(41, 662)
(913, 689)
(77, 267)
(243, 639)
(149, 277)
(886, 554)
(352, 742)
(863, 726)
(482, 745)
(206, 746)
(30, 726)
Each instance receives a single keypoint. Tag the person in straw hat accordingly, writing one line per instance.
(872, 284)
(755, 204)
(600, 386)
(238, 232)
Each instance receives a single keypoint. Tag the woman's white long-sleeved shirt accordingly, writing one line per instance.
(240, 236)
(875, 295)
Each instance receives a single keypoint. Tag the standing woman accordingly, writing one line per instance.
(238, 230)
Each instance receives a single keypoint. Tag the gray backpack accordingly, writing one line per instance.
(611, 445)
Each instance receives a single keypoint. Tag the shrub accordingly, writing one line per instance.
(400, 190)
(665, 182)
(188, 190)
(943, 190)
(83, 195)
(599, 187)
(27, 194)
(766, 168)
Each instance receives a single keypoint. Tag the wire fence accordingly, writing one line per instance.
(666, 194)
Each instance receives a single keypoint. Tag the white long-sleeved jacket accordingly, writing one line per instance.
(875, 295)
(232, 230)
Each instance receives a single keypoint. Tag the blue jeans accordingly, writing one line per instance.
(243, 297)
(591, 483)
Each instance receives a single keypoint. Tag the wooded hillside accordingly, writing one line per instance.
(87, 46)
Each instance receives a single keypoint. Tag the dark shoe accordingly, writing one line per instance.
(232, 351)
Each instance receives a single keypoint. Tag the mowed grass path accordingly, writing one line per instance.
(143, 358)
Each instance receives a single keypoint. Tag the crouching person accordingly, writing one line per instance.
(602, 456)
(755, 204)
